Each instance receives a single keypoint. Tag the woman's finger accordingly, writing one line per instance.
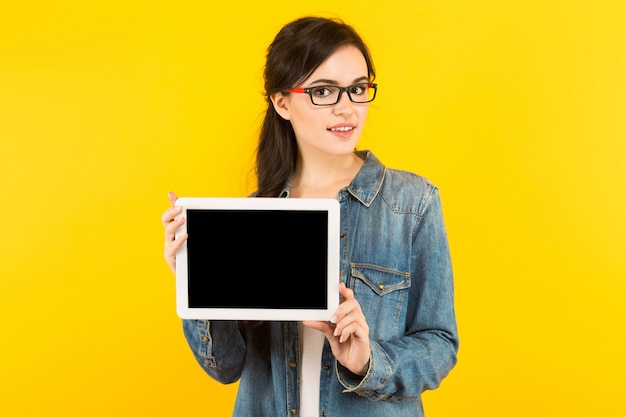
(348, 303)
(171, 248)
(171, 195)
(170, 215)
(172, 226)
(349, 318)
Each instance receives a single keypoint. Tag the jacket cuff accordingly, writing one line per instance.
(377, 374)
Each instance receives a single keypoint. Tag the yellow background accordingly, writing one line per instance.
(516, 109)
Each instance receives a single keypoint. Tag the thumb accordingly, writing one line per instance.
(345, 292)
(171, 195)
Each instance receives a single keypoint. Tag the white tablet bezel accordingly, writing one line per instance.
(331, 206)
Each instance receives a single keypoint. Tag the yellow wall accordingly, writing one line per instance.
(516, 109)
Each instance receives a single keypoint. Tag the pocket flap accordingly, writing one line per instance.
(381, 280)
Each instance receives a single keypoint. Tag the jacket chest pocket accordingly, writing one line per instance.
(381, 293)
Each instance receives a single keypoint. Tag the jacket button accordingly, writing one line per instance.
(326, 367)
(205, 339)
(293, 364)
(293, 411)
(381, 286)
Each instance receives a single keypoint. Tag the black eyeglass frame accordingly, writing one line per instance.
(309, 92)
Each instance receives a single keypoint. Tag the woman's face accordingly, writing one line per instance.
(335, 129)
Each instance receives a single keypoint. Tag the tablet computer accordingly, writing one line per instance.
(258, 259)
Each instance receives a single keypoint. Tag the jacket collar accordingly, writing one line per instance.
(365, 185)
(368, 181)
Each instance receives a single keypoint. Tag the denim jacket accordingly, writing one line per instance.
(395, 257)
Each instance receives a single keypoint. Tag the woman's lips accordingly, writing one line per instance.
(343, 131)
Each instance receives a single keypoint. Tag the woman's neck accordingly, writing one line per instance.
(323, 177)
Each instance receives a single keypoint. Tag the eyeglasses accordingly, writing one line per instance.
(328, 95)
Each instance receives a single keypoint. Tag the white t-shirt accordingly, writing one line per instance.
(312, 344)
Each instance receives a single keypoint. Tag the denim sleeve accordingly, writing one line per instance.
(404, 367)
(218, 347)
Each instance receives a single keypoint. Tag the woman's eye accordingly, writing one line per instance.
(357, 89)
(322, 91)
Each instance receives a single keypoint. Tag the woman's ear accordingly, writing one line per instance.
(281, 105)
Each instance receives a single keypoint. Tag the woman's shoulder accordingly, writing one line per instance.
(395, 178)
(407, 191)
(400, 177)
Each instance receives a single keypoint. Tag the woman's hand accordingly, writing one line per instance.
(171, 224)
(349, 338)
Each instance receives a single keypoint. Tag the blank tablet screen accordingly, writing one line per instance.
(262, 259)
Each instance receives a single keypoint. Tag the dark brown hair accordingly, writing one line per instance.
(295, 53)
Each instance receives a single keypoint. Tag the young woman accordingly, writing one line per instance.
(394, 334)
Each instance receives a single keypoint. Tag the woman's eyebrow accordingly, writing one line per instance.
(324, 81)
